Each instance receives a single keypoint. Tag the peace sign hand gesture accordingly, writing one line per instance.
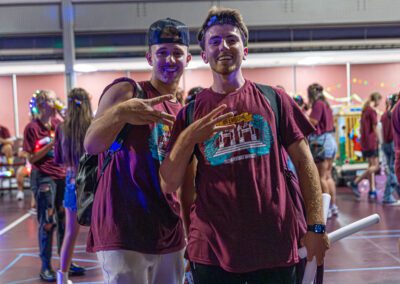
(207, 126)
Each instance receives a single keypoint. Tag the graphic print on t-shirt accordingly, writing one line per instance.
(158, 141)
(250, 138)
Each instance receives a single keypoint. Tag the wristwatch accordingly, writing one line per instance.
(316, 228)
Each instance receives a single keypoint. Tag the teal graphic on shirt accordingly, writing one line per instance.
(250, 138)
(158, 141)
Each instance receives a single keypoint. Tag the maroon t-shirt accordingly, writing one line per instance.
(130, 211)
(396, 126)
(4, 132)
(33, 133)
(387, 129)
(369, 120)
(322, 113)
(241, 219)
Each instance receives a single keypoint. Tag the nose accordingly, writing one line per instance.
(170, 58)
(223, 45)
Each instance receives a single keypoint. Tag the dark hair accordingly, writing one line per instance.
(374, 97)
(78, 118)
(316, 92)
(299, 100)
(192, 94)
(221, 16)
(392, 101)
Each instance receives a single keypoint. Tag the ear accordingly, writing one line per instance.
(149, 58)
(204, 57)
(188, 58)
(245, 53)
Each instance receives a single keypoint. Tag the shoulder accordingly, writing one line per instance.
(119, 88)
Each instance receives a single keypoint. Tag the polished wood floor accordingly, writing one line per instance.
(371, 256)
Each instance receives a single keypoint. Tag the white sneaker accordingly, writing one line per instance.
(335, 210)
(32, 211)
(20, 195)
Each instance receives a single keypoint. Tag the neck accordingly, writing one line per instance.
(44, 118)
(165, 89)
(227, 83)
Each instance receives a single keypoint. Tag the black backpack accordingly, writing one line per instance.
(86, 180)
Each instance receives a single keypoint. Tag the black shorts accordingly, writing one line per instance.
(370, 154)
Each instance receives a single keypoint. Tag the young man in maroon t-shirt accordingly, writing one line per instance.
(369, 145)
(243, 225)
(47, 178)
(136, 229)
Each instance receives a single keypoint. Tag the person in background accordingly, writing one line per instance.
(136, 230)
(69, 138)
(23, 172)
(243, 225)
(369, 145)
(396, 137)
(300, 102)
(47, 178)
(322, 142)
(192, 94)
(388, 149)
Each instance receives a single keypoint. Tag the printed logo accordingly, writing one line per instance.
(252, 137)
(158, 141)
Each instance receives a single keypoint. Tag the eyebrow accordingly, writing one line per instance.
(227, 36)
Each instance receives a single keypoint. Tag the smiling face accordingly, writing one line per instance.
(168, 61)
(224, 49)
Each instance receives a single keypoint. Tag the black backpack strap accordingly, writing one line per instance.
(117, 144)
(189, 113)
(271, 96)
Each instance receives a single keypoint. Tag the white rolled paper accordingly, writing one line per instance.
(353, 228)
(336, 236)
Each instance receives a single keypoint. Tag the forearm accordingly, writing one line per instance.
(37, 156)
(103, 130)
(311, 189)
(309, 180)
(173, 168)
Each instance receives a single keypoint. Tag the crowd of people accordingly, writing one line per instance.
(230, 179)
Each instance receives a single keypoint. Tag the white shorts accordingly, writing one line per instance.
(131, 267)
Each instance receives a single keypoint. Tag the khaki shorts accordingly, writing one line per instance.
(131, 267)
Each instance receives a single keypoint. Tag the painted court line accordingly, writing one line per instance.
(15, 223)
(363, 269)
(24, 281)
(36, 248)
(10, 264)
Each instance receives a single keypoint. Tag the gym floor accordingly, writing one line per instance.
(371, 256)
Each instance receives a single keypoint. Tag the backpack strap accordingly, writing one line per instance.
(271, 96)
(117, 144)
(189, 113)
